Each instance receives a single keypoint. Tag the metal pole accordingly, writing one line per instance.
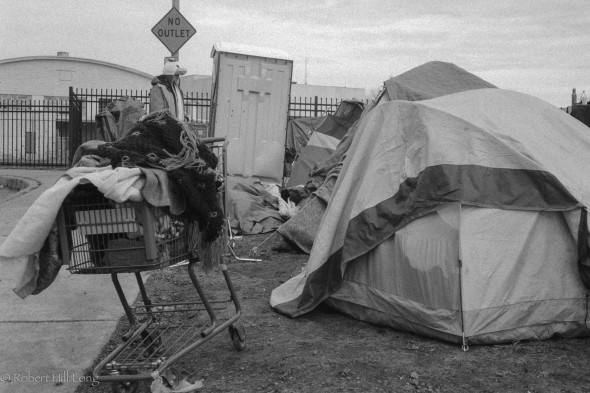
(176, 4)
(465, 346)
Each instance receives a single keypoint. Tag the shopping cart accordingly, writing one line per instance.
(99, 236)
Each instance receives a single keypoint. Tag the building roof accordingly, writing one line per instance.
(250, 50)
(75, 59)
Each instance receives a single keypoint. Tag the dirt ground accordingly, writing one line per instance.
(325, 351)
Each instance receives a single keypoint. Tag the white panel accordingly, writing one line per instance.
(251, 110)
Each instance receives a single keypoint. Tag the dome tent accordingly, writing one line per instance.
(461, 217)
(429, 80)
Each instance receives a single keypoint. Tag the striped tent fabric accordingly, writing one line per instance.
(461, 217)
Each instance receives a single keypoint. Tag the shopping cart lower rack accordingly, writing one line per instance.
(98, 236)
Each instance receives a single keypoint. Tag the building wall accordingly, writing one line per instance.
(49, 77)
(344, 93)
(41, 77)
(34, 133)
(202, 84)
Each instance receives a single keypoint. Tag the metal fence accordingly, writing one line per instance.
(311, 106)
(34, 133)
(85, 104)
(89, 103)
(47, 133)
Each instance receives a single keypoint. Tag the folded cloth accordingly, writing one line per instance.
(158, 190)
(87, 148)
(29, 235)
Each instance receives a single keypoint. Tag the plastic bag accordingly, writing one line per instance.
(183, 386)
(287, 209)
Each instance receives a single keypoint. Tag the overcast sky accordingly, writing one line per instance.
(538, 47)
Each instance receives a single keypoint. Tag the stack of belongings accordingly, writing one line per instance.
(162, 142)
(117, 118)
(161, 161)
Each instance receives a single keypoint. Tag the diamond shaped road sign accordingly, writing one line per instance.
(173, 30)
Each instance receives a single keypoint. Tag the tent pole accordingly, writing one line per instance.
(465, 346)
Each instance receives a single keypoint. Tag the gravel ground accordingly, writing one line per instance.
(324, 351)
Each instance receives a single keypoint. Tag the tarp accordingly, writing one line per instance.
(324, 138)
(303, 226)
(463, 214)
(319, 147)
(298, 133)
(119, 116)
(251, 209)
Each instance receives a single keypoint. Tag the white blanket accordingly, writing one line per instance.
(28, 236)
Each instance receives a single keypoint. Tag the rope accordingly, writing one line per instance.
(188, 157)
(255, 249)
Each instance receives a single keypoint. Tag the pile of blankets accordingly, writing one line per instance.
(160, 161)
(160, 141)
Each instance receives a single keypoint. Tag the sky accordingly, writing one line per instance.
(537, 47)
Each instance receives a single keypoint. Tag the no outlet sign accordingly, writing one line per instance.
(173, 30)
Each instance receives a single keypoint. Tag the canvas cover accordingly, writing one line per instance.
(251, 208)
(301, 229)
(320, 145)
(119, 116)
(298, 133)
(323, 140)
(431, 80)
(460, 215)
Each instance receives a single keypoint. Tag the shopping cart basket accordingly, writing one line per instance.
(99, 236)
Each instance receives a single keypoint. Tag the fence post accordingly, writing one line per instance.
(315, 112)
(74, 124)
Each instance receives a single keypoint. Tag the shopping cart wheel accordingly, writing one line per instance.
(238, 336)
(125, 386)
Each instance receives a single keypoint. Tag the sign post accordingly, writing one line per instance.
(173, 30)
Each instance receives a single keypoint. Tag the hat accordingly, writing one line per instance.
(173, 68)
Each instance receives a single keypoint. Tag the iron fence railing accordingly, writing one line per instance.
(312, 106)
(46, 133)
(94, 102)
(34, 133)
